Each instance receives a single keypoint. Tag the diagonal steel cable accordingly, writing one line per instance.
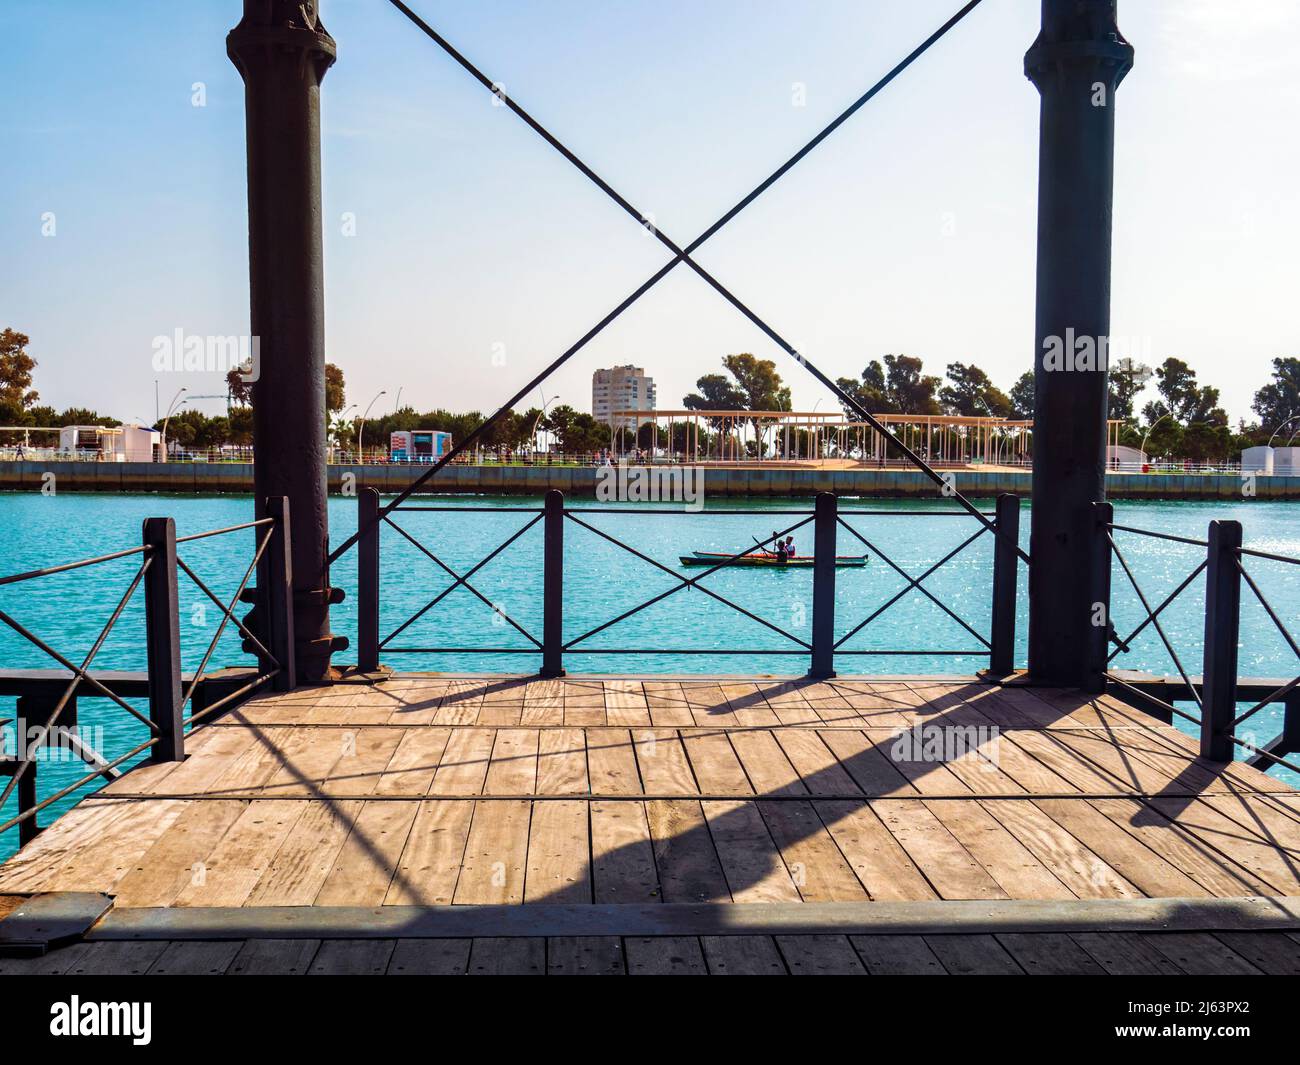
(261, 648)
(681, 255)
(458, 581)
(913, 584)
(1156, 613)
(78, 674)
(692, 582)
(198, 673)
(1272, 614)
(1155, 621)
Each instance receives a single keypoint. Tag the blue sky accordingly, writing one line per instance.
(910, 230)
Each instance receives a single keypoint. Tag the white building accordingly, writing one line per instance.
(1286, 461)
(1257, 460)
(121, 443)
(621, 388)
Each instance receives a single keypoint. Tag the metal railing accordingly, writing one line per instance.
(1218, 690)
(553, 645)
(176, 703)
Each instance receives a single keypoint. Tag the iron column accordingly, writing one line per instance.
(1076, 64)
(282, 51)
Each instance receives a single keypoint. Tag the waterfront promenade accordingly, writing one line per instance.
(580, 481)
(509, 824)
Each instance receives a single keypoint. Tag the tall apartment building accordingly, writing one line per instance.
(621, 388)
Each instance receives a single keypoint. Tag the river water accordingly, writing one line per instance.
(604, 581)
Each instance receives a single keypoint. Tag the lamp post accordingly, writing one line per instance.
(168, 417)
(1150, 429)
(361, 425)
(545, 403)
(1280, 428)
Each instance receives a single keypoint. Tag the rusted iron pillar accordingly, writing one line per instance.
(282, 51)
(1076, 64)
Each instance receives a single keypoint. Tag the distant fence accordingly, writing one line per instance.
(580, 479)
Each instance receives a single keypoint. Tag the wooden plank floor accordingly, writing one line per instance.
(437, 791)
(1015, 954)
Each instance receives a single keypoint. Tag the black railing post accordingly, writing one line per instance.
(1100, 628)
(279, 600)
(368, 580)
(163, 639)
(825, 527)
(29, 828)
(1222, 618)
(1005, 561)
(553, 585)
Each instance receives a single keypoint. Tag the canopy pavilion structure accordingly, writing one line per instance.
(728, 436)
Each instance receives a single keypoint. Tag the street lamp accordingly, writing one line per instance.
(1280, 428)
(361, 425)
(171, 407)
(1150, 430)
(545, 403)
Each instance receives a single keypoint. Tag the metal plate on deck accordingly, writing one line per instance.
(47, 920)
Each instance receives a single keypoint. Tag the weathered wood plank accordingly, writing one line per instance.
(623, 863)
(559, 867)
(820, 956)
(274, 957)
(562, 762)
(751, 862)
(664, 956)
(585, 956)
(368, 859)
(431, 861)
(430, 957)
(894, 955)
(973, 955)
(1049, 954)
(688, 865)
(507, 957)
(495, 853)
(742, 956)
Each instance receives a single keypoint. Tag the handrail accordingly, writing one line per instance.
(1217, 693)
(167, 695)
(554, 644)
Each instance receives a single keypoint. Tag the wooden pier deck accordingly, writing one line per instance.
(513, 824)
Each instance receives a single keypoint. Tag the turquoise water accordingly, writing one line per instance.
(603, 581)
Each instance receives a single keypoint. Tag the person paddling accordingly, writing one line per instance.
(778, 547)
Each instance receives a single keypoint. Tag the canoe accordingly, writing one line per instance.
(713, 558)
